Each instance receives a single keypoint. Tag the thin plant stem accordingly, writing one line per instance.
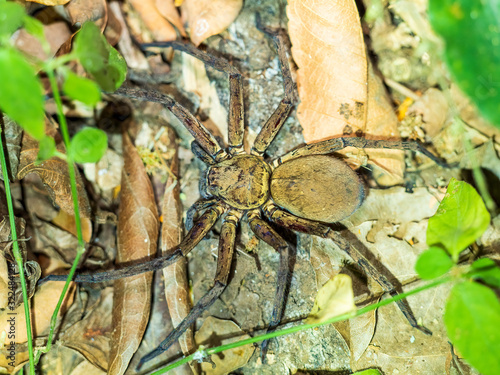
(202, 353)
(74, 194)
(17, 255)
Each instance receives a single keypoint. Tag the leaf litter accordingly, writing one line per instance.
(391, 224)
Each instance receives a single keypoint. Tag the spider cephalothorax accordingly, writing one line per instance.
(303, 190)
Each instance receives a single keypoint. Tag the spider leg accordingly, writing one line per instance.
(194, 236)
(201, 154)
(236, 110)
(292, 222)
(267, 234)
(206, 140)
(278, 118)
(195, 208)
(335, 144)
(226, 249)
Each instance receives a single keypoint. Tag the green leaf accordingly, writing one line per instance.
(368, 372)
(11, 18)
(81, 89)
(471, 30)
(491, 273)
(472, 319)
(47, 148)
(461, 218)
(88, 145)
(114, 74)
(99, 59)
(21, 96)
(432, 263)
(91, 48)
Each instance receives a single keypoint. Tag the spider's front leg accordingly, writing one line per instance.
(225, 256)
(298, 224)
(236, 110)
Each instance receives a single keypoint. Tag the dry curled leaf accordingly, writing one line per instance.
(153, 19)
(175, 276)
(13, 134)
(81, 11)
(209, 17)
(211, 333)
(168, 9)
(137, 238)
(334, 298)
(53, 173)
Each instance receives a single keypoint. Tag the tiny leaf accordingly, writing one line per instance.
(460, 219)
(368, 372)
(334, 298)
(486, 270)
(433, 263)
(472, 318)
(11, 18)
(471, 30)
(88, 145)
(21, 96)
(81, 89)
(91, 48)
(47, 148)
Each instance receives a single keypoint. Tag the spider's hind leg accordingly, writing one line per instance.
(267, 234)
(226, 249)
(292, 222)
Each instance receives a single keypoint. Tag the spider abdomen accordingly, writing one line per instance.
(319, 187)
(242, 181)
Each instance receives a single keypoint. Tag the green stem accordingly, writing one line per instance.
(74, 193)
(17, 255)
(207, 352)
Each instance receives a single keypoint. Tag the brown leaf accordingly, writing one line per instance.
(339, 94)
(330, 53)
(209, 17)
(91, 335)
(67, 222)
(168, 9)
(175, 276)
(13, 134)
(81, 11)
(53, 173)
(210, 333)
(137, 237)
(160, 28)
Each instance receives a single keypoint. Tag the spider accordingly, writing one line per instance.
(304, 190)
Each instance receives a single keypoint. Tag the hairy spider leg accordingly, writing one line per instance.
(236, 110)
(287, 220)
(336, 144)
(194, 236)
(278, 118)
(266, 233)
(204, 138)
(226, 248)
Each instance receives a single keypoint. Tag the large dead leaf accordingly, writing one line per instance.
(339, 94)
(328, 47)
(209, 17)
(175, 276)
(53, 173)
(215, 331)
(137, 237)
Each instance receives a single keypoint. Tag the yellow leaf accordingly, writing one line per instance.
(334, 298)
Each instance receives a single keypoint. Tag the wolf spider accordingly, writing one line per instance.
(304, 190)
